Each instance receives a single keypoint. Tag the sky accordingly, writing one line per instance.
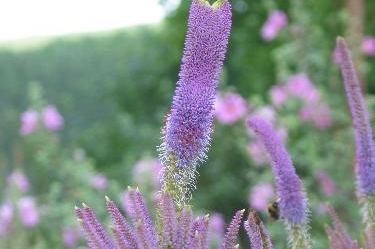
(24, 19)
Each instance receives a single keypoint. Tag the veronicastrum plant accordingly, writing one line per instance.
(185, 141)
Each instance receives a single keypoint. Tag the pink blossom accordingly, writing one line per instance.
(368, 45)
(19, 180)
(216, 228)
(267, 113)
(70, 236)
(6, 215)
(229, 108)
(261, 195)
(320, 208)
(300, 86)
(319, 114)
(279, 95)
(51, 118)
(257, 152)
(28, 212)
(326, 183)
(99, 182)
(29, 122)
(146, 172)
(275, 22)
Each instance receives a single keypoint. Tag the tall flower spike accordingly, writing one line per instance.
(364, 144)
(292, 200)
(186, 134)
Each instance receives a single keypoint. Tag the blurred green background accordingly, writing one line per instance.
(113, 90)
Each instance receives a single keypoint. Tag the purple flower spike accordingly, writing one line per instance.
(293, 203)
(185, 224)
(364, 144)
(257, 232)
(338, 237)
(141, 218)
(92, 229)
(232, 231)
(168, 220)
(123, 233)
(189, 124)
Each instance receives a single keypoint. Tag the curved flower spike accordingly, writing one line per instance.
(292, 200)
(364, 143)
(293, 203)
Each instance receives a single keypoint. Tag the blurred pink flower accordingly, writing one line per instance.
(326, 183)
(319, 114)
(278, 95)
(275, 22)
(70, 236)
(216, 228)
(99, 182)
(267, 113)
(257, 152)
(6, 215)
(18, 179)
(320, 208)
(261, 195)
(229, 108)
(300, 86)
(146, 172)
(368, 45)
(51, 118)
(29, 122)
(28, 212)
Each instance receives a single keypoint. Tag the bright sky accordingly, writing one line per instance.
(35, 18)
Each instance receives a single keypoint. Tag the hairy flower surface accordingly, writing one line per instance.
(293, 203)
(364, 144)
(188, 126)
(257, 232)
(186, 134)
